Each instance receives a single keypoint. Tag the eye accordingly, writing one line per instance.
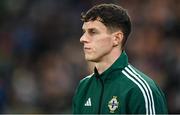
(93, 31)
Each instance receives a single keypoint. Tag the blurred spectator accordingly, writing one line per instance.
(56, 83)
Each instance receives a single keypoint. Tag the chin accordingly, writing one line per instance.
(91, 59)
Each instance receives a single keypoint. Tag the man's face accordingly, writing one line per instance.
(97, 41)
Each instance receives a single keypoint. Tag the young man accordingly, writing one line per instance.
(115, 86)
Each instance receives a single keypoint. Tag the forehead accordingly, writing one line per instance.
(94, 24)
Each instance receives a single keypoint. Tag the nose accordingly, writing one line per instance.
(83, 38)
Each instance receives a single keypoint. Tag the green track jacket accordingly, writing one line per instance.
(121, 89)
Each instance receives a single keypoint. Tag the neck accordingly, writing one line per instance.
(107, 61)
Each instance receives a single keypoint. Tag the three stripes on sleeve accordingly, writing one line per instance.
(131, 74)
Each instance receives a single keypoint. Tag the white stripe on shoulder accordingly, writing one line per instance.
(144, 86)
(88, 76)
(142, 90)
(147, 87)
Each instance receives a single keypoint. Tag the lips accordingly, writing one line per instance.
(87, 49)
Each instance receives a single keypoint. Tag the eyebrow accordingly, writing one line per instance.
(90, 29)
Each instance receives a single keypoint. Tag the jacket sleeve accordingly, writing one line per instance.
(143, 102)
(160, 101)
(136, 103)
(74, 109)
(79, 93)
(77, 98)
(74, 101)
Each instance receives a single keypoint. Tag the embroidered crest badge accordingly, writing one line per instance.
(113, 104)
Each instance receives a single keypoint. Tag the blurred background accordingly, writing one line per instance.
(41, 59)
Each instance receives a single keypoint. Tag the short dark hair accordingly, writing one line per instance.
(112, 16)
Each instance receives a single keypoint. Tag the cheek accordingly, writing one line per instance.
(104, 44)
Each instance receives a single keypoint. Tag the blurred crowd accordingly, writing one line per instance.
(41, 59)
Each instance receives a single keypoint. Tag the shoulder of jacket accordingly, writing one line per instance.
(83, 83)
(86, 78)
(139, 80)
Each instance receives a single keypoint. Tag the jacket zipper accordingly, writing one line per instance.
(101, 96)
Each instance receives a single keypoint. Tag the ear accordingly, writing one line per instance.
(117, 38)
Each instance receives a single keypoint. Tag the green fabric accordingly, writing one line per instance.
(117, 91)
